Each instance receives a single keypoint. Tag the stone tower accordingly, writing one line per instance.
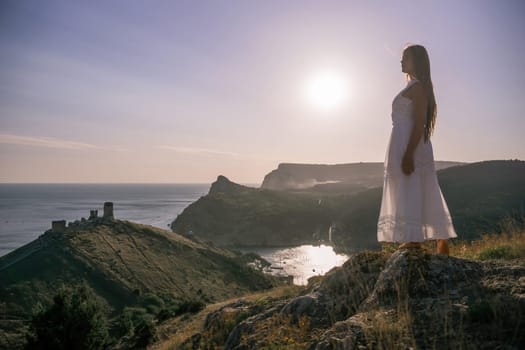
(93, 214)
(108, 210)
(58, 225)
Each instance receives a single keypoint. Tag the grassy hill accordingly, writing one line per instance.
(122, 261)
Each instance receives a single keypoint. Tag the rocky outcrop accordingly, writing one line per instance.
(428, 301)
(407, 300)
(224, 185)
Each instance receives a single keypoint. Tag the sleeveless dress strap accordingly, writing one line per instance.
(410, 83)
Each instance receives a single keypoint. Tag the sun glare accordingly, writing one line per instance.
(326, 90)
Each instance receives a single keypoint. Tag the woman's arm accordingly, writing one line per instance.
(419, 109)
(419, 103)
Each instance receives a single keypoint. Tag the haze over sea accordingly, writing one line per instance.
(27, 210)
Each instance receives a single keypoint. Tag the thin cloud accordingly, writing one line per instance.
(197, 150)
(208, 151)
(49, 142)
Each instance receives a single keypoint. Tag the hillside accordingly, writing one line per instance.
(480, 197)
(252, 217)
(121, 261)
(390, 299)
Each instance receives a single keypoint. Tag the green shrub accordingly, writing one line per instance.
(129, 318)
(138, 323)
(498, 252)
(75, 320)
(192, 306)
(152, 303)
(145, 331)
(176, 307)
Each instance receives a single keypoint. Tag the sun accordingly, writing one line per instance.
(326, 90)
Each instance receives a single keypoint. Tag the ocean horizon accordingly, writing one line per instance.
(27, 209)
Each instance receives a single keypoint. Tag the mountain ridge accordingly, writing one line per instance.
(347, 177)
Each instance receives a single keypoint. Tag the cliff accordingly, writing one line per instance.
(240, 217)
(224, 185)
(331, 178)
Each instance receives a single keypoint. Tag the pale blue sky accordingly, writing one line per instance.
(182, 91)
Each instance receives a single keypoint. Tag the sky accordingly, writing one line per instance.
(183, 91)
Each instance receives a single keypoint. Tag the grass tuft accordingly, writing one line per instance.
(507, 245)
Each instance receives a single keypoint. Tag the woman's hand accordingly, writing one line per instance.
(407, 164)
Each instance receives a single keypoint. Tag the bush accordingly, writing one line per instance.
(175, 307)
(191, 306)
(145, 331)
(129, 319)
(499, 252)
(152, 303)
(75, 320)
(138, 323)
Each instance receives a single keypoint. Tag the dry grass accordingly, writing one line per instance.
(283, 334)
(394, 332)
(177, 330)
(507, 245)
(510, 244)
(386, 330)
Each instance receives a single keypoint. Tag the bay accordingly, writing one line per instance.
(27, 210)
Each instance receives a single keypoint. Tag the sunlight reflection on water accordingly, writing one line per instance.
(302, 261)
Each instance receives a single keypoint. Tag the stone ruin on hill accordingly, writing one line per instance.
(60, 225)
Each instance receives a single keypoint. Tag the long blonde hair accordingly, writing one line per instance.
(421, 65)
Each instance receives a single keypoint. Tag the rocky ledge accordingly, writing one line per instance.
(408, 299)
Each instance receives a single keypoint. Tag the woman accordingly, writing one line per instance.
(413, 208)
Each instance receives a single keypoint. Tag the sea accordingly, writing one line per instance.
(27, 210)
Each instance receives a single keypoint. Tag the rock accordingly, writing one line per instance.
(218, 320)
(247, 329)
(406, 300)
(420, 300)
(415, 274)
(224, 185)
(335, 298)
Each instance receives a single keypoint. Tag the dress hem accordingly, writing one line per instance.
(396, 229)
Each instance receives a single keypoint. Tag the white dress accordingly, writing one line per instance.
(413, 208)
